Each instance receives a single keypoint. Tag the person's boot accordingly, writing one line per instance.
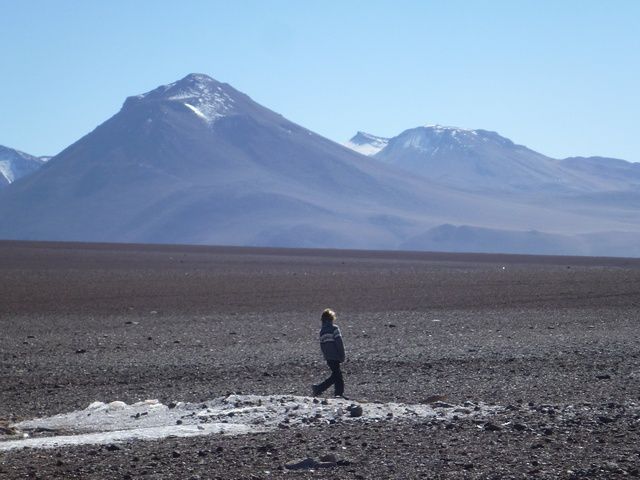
(315, 390)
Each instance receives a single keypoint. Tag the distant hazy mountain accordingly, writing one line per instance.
(366, 143)
(464, 238)
(481, 161)
(623, 174)
(15, 164)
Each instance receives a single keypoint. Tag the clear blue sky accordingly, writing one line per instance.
(560, 76)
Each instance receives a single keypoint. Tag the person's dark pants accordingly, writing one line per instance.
(335, 378)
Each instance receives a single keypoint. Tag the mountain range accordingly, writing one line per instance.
(197, 161)
(481, 160)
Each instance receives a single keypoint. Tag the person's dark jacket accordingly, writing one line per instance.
(331, 342)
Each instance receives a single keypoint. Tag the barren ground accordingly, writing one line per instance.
(553, 340)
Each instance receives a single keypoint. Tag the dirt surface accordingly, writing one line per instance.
(552, 340)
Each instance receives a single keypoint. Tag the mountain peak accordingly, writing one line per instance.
(461, 136)
(15, 164)
(198, 78)
(366, 144)
(199, 93)
(444, 128)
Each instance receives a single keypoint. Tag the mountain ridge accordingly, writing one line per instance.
(198, 162)
(478, 159)
(15, 164)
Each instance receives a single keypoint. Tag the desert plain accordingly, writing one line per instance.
(550, 344)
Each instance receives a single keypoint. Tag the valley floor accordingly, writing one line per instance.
(551, 341)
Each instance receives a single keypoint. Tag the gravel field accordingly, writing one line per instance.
(551, 342)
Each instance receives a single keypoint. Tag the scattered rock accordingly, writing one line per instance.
(7, 430)
(613, 467)
(441, 405)
(325, 461)
(435, 398)
(604, 376)
(329, 458)
(605, 419)
(112, 447)
(355, 410)
(492, 427)
(302, 464)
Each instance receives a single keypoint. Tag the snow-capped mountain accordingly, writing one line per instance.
(207, 99)
(366, 143)
(481, 160)
(198, 162)
(15, 164)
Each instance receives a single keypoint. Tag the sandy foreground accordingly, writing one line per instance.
(463, 366)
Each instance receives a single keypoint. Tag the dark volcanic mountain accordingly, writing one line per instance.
(15, 164)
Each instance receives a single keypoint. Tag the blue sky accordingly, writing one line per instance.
(559, 76)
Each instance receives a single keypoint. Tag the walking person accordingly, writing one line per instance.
(333, 350)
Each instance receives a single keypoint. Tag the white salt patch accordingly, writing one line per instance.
(102, 423)
(104, 438)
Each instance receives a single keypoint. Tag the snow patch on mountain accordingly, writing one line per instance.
(206, 103)
(196, 111)
(15, 164)
(6, 171)
(367, 144)
(203, 95)
(434, 127)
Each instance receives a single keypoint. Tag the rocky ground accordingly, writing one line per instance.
(551, 341)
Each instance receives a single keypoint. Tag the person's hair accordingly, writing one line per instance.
(328, 315)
